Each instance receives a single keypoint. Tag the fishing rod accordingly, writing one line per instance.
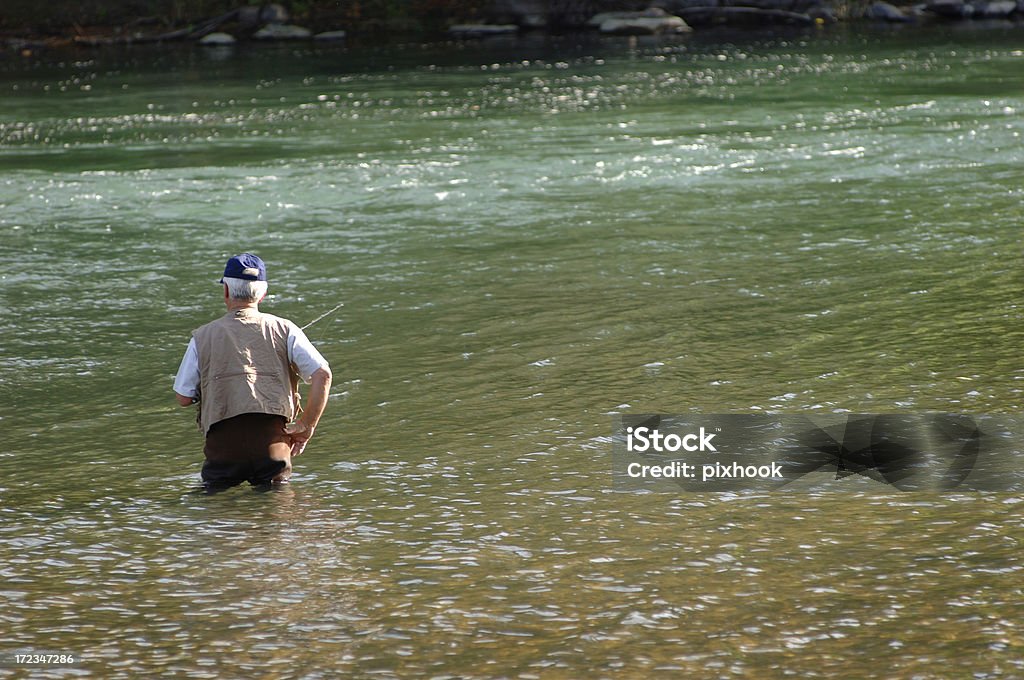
(298, 404)
(323, 316)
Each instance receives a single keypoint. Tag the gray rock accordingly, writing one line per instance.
(653, 12)
(217, 39)
(998, 9)
(645, 25)
(328, 36)
(282, 32)
(883, 11)
(598, 19)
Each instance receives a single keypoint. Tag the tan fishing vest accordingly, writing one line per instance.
(244, 367)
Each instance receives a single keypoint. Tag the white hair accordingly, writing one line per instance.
(243, 289)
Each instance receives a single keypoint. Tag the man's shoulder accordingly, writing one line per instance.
(206, 326)
(209, 324)
(278, 321)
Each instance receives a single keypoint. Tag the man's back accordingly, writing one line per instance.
(243, 371)
(243, 361)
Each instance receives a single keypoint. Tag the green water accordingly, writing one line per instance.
(528, 237)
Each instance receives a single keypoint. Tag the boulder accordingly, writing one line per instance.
(998, 9)
(282, 32)
(217, 39)
(645, 25)
(883, 11)
(329, 36)
(598, 19)
(650, 13)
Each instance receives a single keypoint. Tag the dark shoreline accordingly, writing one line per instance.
(28, 44)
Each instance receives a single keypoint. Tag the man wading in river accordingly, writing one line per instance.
(243, 371)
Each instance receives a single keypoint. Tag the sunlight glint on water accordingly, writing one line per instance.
(528, 238)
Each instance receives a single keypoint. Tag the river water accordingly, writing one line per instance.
(529, 237)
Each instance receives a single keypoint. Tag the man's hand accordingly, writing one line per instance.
(302, 429)
(300, 434)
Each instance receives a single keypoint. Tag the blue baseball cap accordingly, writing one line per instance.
(245, 266)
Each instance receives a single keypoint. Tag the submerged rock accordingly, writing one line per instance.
(282, 32)
(217, 39)
(330, 35)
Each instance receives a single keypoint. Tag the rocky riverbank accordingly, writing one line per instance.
(274, 22)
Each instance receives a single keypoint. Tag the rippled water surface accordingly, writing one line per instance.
(528, 237)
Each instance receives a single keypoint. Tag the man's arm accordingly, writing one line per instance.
(186, 382)
(302, 429)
